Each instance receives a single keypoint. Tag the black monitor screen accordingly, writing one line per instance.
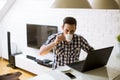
(38, 34)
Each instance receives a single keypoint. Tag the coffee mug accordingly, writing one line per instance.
(68, 37)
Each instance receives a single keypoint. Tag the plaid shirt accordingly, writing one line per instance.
(66, 53)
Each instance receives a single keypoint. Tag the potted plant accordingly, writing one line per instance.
(118, 39)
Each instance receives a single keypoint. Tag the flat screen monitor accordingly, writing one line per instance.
(38, 34)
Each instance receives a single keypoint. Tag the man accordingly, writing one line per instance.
(66, 45)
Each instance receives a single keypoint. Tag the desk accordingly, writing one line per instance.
(102, 73)
(110, 71)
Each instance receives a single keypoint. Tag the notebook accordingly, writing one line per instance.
(95, 59)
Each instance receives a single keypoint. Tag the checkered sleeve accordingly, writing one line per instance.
(85, 45)
(50, 39)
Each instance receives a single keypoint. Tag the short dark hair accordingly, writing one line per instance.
(70, 20)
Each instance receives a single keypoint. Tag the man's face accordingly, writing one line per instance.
(68, 29)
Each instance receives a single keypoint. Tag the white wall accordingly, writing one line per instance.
(7, 5)
(3, 10)
(99, 27)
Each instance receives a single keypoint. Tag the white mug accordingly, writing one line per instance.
(68, 37)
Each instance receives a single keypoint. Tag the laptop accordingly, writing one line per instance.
(95, 59)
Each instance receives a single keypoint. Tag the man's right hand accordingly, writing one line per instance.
(59, 38)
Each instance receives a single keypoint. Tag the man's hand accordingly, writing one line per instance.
(59, 38)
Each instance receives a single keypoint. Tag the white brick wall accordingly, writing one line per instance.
(100, 27)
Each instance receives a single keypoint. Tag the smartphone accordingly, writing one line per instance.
(70, 75)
